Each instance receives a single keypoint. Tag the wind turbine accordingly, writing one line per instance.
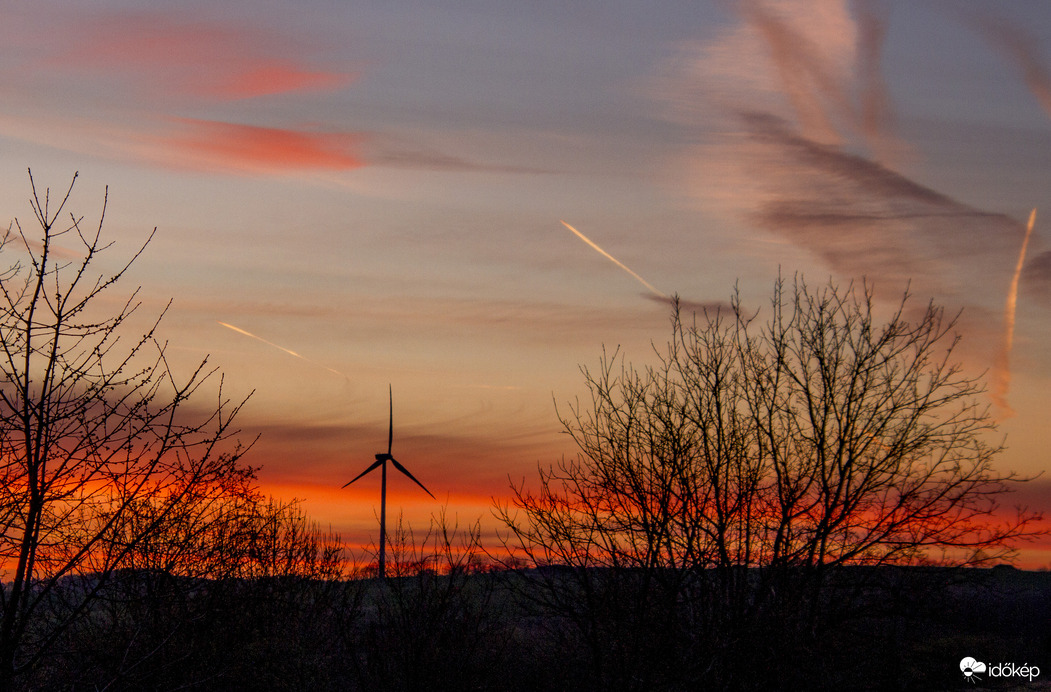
(381, 462)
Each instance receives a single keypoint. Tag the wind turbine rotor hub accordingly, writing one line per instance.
(381, 461)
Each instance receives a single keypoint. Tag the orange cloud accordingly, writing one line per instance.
(194, 58)
(214, 145)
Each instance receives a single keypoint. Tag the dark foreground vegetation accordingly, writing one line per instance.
(802, 501)
(885, 628)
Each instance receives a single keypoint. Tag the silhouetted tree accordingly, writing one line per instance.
(434, 623)
(264, 615)
(715, 492)
(245, 590)
(93, 429)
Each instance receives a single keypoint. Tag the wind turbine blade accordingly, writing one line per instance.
(411, 477)
(376, 464)
(390, 430)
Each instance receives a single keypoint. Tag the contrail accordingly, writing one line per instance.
(1003, 382)
(615, 261)
(280, 348)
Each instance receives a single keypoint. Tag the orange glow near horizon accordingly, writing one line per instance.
(354, 514)
(366, 189)
(362, 499)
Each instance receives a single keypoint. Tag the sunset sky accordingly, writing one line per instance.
(376, 191)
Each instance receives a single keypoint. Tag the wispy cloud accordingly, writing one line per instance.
(1019, 47)
(384, 150)
(811, 62)
(691, 306)
(166, 53)
(129, 79)
(811, 59)
(271, 78)
(1003, 369)
(213, 145)
(863, 218)
(478, 457)
(194, 144)
(877, 114)
(804, 149)
(1036, 277)
(804, 160)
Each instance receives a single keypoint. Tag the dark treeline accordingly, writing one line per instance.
(455, 624)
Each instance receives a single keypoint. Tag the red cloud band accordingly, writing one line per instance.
(212, 144)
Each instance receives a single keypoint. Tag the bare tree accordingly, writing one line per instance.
(435, 622)
(239, 534)
(730, 478)
(93, 428)
(245, 570)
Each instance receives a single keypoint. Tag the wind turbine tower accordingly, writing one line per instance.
(381, 463)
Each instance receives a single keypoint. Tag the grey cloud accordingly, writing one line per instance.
(421, 159)
(1019, 47)
(1036, 276)
(865, 219)
(334, 453)
(690, 306)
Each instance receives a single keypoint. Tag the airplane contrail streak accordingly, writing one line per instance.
(615, 261)
(280, 348)
(1003, 365)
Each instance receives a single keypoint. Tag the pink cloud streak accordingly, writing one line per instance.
(192, 58)
(214, 145)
